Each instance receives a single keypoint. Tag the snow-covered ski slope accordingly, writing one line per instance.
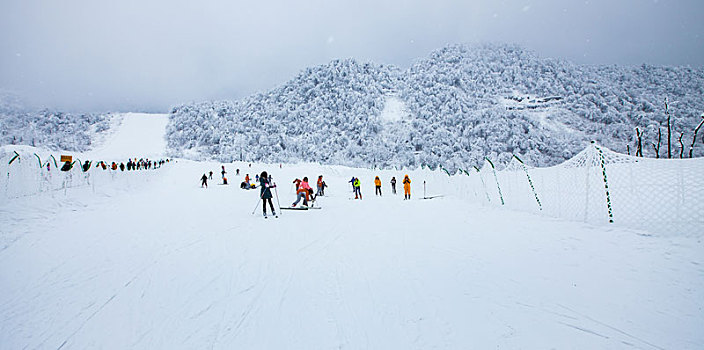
(138, 135)
(157, 262)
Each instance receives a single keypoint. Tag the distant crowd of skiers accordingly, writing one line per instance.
(303, 190)
(356, 187)
(142, 164)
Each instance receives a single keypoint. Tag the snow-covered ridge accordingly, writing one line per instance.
(460, 105)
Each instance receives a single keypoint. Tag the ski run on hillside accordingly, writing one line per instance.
(151, 259)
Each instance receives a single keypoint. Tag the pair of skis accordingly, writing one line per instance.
(300, 208)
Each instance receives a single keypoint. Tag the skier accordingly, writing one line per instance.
(265, 193)
(204, 181)
(211, 175)
(237, 172)
(298, 183)
(223, 172)
(406, 187)
(320, 186)
(377, 182)
(246, 180)
(86, 166)
(122, 166)
(352, 183)
(393, 185)
(322, 189)
(303, 193)
(357, 188)
(66, 166)
(256, 178)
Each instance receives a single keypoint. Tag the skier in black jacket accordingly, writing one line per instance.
(265, 192)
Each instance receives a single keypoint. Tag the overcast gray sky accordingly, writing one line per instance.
(121, 55)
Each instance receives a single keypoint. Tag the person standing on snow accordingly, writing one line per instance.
(377, 183)
(204, 181)
(357, 189)
(223, 172)
(393, 185)
(211, 175)
(303, 193)
(406, 188)
(265, 192)
(320, 186)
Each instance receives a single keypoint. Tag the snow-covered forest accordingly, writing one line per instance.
(48, 128)
(452, 109)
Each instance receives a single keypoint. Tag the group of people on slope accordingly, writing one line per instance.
(204, 179)
(142, 164)
(356, 187)
(247, 184)
(305, 192)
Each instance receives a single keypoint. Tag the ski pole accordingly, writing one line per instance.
(255, 208)
(277, 198)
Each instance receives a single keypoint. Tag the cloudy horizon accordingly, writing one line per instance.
(147, 56)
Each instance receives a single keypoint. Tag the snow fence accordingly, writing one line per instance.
(27, 171)
(599, 186)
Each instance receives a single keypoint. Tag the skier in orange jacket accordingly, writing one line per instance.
(377, 182)
(406, 188)
(303, 192)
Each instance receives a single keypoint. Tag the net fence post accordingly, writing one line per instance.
(488, 199)
(602, 163)
(530, 182)
(493, 169)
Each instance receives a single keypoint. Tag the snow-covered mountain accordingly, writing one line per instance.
(451, 109)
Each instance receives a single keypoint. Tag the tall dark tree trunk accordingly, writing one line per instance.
(639, 148)
(694, 138)
(681, 145)
(669, 131)
(657, 147)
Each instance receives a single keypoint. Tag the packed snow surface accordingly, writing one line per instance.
(139, 135)
(394, 109)
(165, 264)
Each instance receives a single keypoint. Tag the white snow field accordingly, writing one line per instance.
(150, 260)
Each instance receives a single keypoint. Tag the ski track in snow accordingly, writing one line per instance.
(167, 264)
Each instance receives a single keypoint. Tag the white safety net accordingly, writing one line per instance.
(23, 176)
(599, 186)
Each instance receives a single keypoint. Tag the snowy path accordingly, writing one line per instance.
(137, 135)
(172, 265)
